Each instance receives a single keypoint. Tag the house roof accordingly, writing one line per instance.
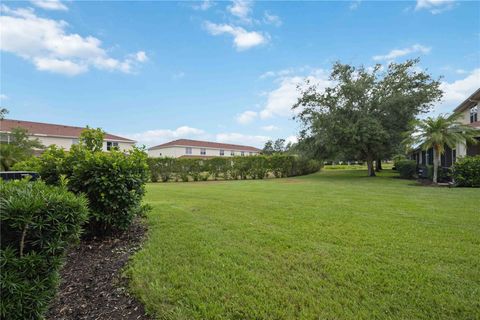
(51, 130)
(474, 98)
(205, 144)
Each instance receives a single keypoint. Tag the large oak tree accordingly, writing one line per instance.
(366, 112)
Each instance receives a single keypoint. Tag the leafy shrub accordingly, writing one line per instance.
(52, 164)
(254, 167)
(30, 164)
(38, 222)
(406, 168)
(466, 172)
(114, 184)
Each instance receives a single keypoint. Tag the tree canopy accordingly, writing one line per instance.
(19, 148)
(366, 112)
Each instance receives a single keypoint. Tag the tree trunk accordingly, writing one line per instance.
(378, 165)
(436, 161)
(371, 171)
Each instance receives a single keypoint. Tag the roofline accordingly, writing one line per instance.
(63, 136)
(189, 146)
(466, 102)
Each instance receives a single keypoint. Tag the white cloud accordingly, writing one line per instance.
(435, 6)
(238, 138)
(241, 9)
(291, 139)
(457, 91)
(157, 136)
(269, 128)
(242, 38)
(141, 56)
(246, 117)
(397, 53)
(46, 43)
(50, 4)
(203, 5)
(178, 75)
(281, 100)
(272, 19)
(354, 4)
(3, 97)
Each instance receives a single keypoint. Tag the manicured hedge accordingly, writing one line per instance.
(233, 168)
(38, 222)
(466, 172)
(406, 168)
(113, 182)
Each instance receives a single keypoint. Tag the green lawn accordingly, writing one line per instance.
(333, 245)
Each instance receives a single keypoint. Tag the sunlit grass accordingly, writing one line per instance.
(334, 245)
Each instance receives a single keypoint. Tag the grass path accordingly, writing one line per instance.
(333, 245)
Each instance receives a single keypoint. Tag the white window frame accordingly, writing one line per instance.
(203, 151)
(242, 153)
(232, 153)
(222, 152)
(188, 150)
(113, 144)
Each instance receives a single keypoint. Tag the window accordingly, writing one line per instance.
(222, 152)
(188, 150)
(242, 153)
(250, 153)
(4, 137)
(203, 151)
(232, 153)
(474, 114)
(112, 145)
(75, 141)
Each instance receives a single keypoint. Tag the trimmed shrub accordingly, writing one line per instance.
(253, 167)
(114, 184)
(406, 168)
(466, 172)
(31, 164)
(38, 223)
(53, 165)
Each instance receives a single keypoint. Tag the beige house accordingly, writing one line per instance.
(185, 148)
(469, 110)
(59, 135)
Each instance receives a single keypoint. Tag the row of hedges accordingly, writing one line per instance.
(252, 167)
(465, 172)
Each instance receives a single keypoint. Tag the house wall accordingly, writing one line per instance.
(66, 143)
(176, 152)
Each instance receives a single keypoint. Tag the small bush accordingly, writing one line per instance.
(114, 184)
(406, 168)
(466, 172)
(31, 164)
(38, 222)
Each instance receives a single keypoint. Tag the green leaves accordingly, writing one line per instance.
(253, 167)
(466, 172)
(363, 115)
(38, 222)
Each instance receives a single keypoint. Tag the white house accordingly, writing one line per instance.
(59, 135)
(185, 148)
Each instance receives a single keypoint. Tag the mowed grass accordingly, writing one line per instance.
(333, 245)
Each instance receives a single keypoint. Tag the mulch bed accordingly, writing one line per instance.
(92, 286)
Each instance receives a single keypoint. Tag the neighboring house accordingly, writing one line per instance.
(469, 109)
(59, 135)
(184, 148)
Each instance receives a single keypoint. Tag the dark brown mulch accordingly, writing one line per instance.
(92, 286)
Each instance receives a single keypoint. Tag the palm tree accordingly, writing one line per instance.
(437, 132)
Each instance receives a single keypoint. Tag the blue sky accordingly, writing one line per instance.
(222, 71)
